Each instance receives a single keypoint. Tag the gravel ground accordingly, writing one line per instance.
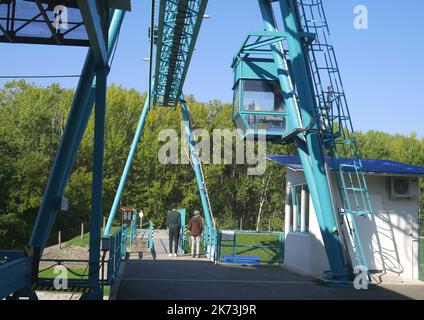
(60, 296)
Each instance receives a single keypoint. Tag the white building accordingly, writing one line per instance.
(389, 236)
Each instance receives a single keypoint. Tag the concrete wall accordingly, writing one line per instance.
(389, 236)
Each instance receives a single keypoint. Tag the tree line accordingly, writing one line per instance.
(32, 121)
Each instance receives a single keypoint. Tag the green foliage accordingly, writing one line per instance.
(84, 242)
(32, 121)
(407, 149)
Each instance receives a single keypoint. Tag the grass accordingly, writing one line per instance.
(78, 242)
(49, 274)
(245, 246)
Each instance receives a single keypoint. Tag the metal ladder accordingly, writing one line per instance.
(333, 116)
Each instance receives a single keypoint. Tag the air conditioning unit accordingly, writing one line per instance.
(400, 188)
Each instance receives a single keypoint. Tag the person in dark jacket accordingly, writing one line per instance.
(173, 222)
(196, 229)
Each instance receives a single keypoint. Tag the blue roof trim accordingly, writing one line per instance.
(369, 165)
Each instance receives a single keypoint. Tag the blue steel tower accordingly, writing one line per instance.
(299, 64)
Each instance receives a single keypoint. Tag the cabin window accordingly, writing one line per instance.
(262, 96)
(269, 123)
(236, 100)
(297, 209)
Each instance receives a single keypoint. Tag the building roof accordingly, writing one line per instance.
(371, 166)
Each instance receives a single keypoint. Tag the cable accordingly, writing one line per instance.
(41, 76)
(115, 48)
(57, 76)
(84, 275)
(54, 265)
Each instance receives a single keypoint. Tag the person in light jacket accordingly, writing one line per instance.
(196, 229)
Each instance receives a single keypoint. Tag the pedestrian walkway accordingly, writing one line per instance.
(187, 278)
(201, 280)
(161, 242)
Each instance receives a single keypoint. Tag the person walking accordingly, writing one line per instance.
(196, 229)
(173, 222)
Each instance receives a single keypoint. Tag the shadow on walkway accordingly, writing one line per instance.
(183, 279)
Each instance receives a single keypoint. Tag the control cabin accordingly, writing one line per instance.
(390, 235)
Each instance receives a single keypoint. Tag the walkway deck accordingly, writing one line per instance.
(161, 242)
(185, 278)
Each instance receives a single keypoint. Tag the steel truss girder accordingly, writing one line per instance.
(13, 22)
(179, 26)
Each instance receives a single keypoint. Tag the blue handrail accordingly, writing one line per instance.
(182, 236)
(119, 242)
(151, 245)
(133, 231)
(210, 236)
(117, 251)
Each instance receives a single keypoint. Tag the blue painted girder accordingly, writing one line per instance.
(178, 29)
(71, 140)
(197, 165)
(310, 148)
(14, 276)
(94, 27)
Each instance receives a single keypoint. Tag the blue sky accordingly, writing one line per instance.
(382, 67)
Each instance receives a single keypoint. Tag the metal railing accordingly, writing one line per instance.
(182, 236)
(151, 243)
(421, 258)
(133, 232)
(117, 251)
(114, 247)
(182, 241)
(210, 236)
(247, 247)
(146, 229)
